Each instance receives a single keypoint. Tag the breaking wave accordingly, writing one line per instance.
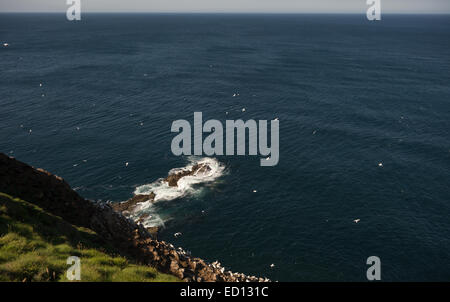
(185, 186)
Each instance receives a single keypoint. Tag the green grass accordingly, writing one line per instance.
(35, 245)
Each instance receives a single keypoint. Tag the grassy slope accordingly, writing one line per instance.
(34, 246)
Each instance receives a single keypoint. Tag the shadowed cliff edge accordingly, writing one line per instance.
(54, 195)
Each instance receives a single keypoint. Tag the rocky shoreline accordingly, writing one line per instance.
(54, 195)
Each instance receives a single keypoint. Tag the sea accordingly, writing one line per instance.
(364, 139)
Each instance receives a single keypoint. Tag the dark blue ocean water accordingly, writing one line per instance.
(349, 94)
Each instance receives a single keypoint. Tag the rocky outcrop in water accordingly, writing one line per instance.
(129, 205)
(55, 196)
(173, 179)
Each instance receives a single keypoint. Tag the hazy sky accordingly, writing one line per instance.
(264, 6)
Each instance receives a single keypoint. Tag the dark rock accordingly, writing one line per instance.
(55, 196)
(143, 217)
(197, 168)
(153, 231)
(131, 203)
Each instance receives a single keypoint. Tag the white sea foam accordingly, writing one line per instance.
(186, 186)
(152, 219)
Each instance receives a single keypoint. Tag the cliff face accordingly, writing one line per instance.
(54, 195)
(35, 246)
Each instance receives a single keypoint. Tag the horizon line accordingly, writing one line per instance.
(226, 13)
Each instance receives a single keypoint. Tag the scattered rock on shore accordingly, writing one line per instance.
(54, 195)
